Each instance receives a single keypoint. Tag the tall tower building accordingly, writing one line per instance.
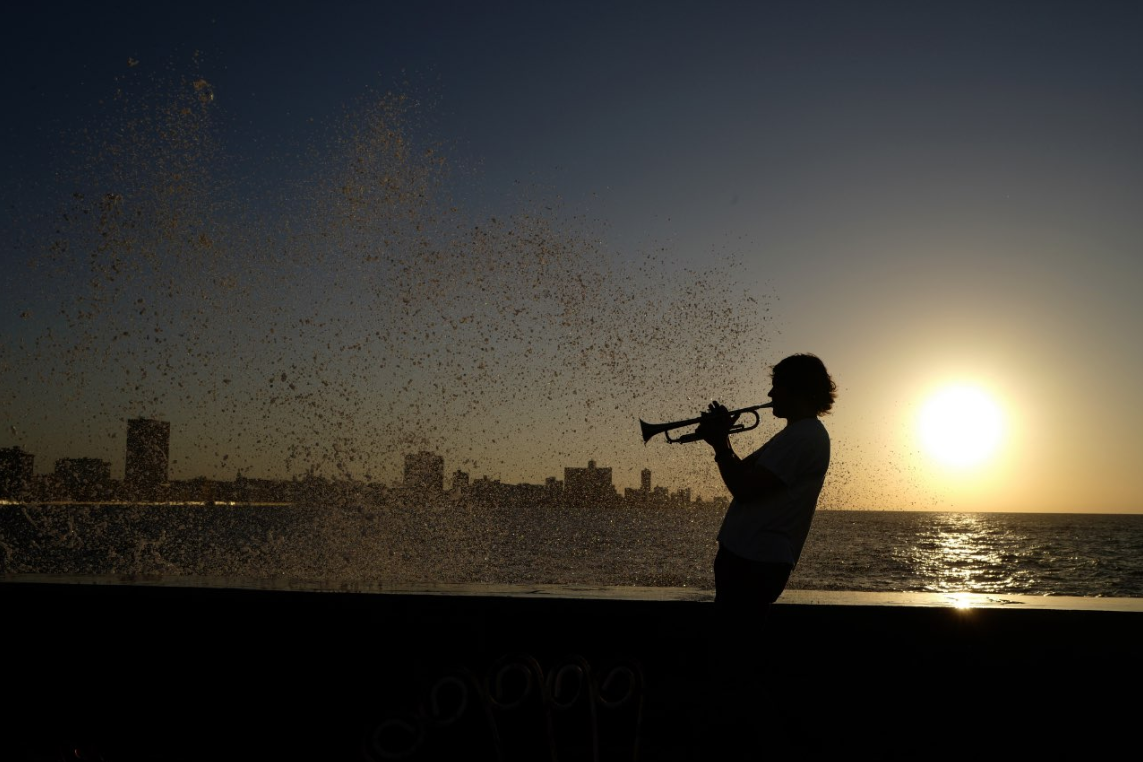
(645, 480)
(148, 452)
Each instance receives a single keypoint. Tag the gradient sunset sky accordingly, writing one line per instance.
(334, 233)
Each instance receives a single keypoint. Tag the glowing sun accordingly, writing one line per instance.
(961, 426)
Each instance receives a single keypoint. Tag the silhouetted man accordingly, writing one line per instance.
(775, 493)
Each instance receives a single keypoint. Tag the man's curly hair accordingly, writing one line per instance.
(807, 375)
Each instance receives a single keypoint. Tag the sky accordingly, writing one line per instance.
(320, 238)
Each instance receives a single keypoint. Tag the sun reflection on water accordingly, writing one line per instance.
(964, 554)
(963, 600)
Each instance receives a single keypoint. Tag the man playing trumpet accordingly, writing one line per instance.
(774, 489)
(774, 496)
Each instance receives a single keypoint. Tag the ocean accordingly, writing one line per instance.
(1070, 554)
(1042, 554)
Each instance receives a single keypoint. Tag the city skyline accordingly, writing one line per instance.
(81, 479)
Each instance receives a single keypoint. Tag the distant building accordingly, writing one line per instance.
(15, 472)
(487, 493)
(83, 478)
(645, 495)
(148, 453)
(589, 487)
(261, 490)
(460, 482)
(424, 471)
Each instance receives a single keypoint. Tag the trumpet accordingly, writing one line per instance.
(651, 429)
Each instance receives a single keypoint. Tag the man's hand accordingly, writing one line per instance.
(715, 424)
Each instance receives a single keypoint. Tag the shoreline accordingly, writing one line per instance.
(798, 597)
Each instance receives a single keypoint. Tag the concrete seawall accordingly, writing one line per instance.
(179, 669)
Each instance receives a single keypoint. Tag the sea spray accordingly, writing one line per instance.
(315, 316)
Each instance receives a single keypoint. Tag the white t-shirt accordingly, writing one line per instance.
(774, 528)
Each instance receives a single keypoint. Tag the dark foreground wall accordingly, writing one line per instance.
(129, 672)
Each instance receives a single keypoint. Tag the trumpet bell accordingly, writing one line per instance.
(651, 429)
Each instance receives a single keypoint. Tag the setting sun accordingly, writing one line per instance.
(961, 426)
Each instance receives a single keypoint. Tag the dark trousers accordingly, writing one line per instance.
(743, 592)
(740, 583)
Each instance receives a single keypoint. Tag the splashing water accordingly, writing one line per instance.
(321, 315)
